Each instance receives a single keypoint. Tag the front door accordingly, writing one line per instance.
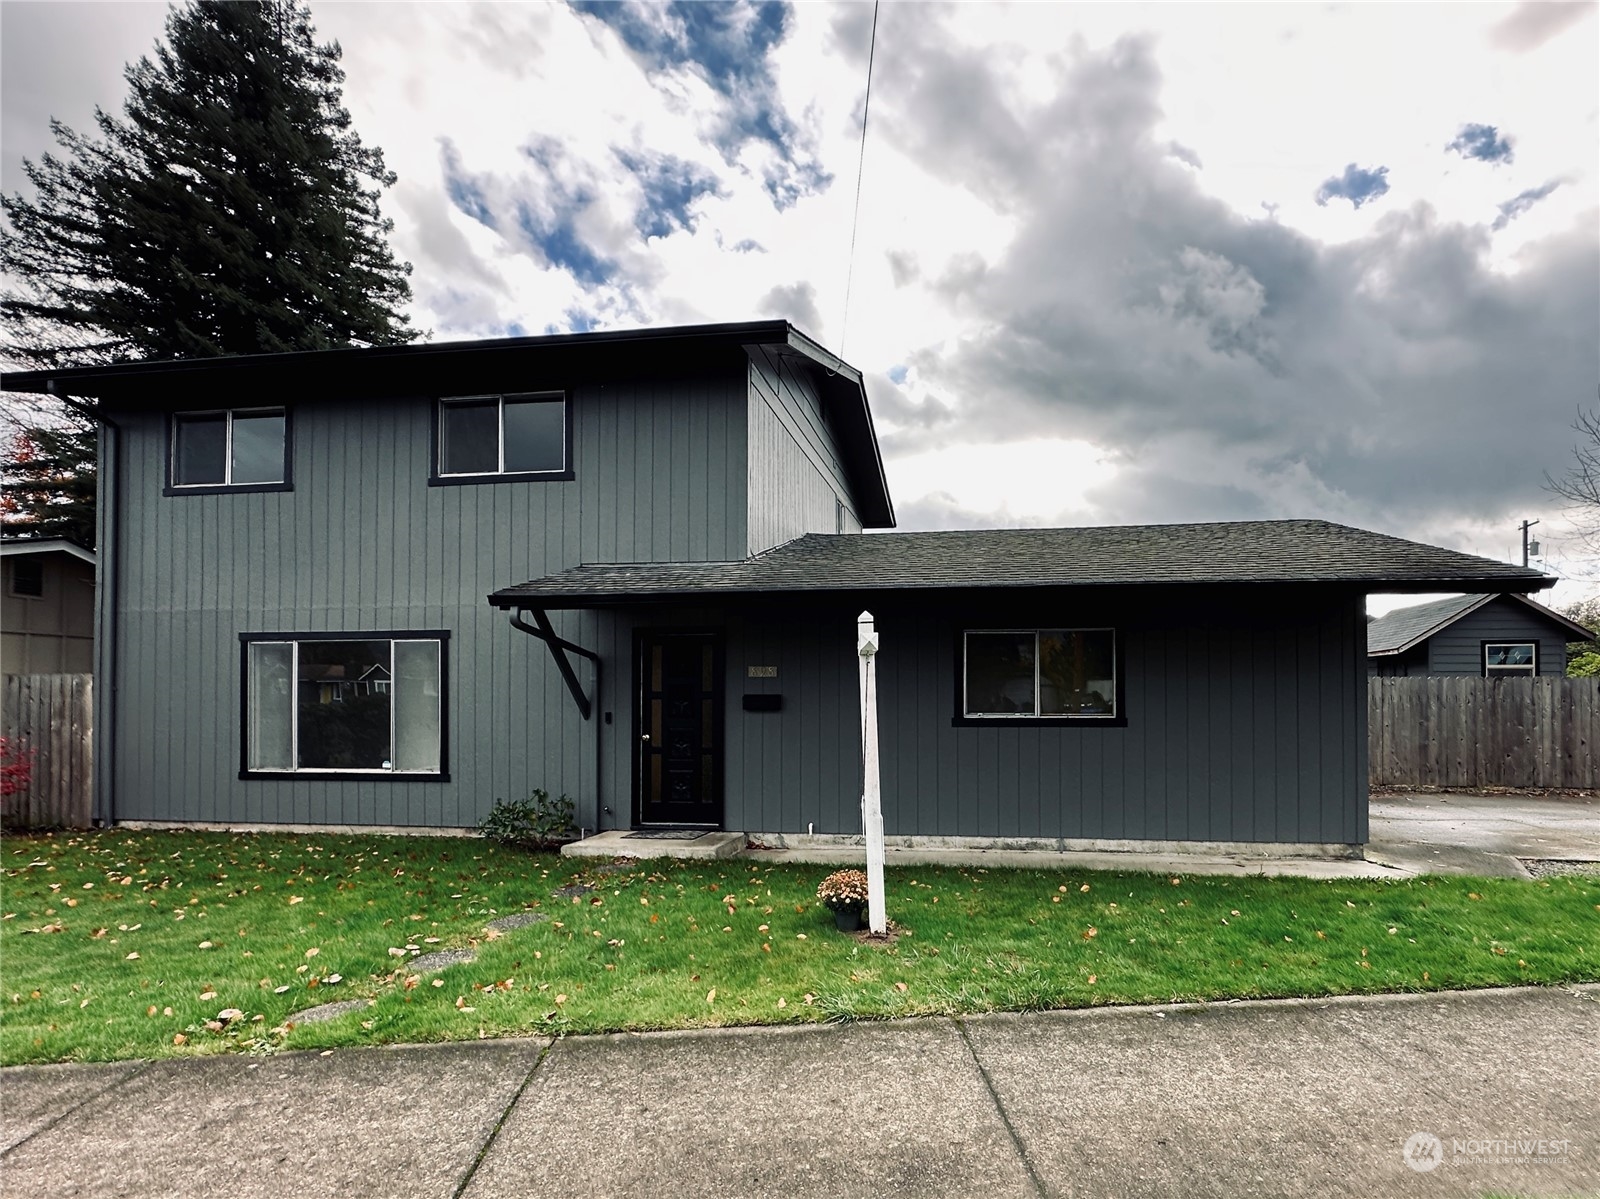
(680, 729)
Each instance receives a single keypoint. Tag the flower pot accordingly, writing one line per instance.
(847, 920)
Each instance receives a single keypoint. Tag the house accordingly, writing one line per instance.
(1485, 636)
(46, 607)
(627, 566)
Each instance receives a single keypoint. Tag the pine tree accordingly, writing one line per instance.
(49, 487)
(231, 210)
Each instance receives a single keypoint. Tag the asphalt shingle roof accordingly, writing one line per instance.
(1399, 628)
(1275, 551)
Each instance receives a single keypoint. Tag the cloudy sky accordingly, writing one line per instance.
(1113, 263)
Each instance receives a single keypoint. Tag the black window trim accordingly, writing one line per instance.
(1507, 672)
(174, 488)
(437, 478)
(442, 775)
(960, 719)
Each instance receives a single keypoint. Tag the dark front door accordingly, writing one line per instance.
(680, 729)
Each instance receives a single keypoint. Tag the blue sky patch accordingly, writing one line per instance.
(1482, 142)
(897, 374)
(464, 191)
(1519, 204)
(671, 185)
(1357, 184)
(561, 246)
(729, 46)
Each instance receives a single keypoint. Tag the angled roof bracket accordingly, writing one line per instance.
(559, 647)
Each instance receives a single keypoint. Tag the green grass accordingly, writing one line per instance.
(116, 945)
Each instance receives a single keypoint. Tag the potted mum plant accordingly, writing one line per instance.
(844, 892)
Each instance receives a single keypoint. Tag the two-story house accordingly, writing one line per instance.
(383, 587)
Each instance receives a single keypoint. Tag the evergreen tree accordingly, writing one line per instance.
(49, 484)
(232, 209)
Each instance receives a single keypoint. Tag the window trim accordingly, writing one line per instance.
(438, 478)
(11, 582)
(1507, 672)
(1118, 718)
(442, 775)
(172, 487)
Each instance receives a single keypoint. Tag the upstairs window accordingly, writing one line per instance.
(1039, 673)
(1501, 658)
(485, 438)
(238, 448)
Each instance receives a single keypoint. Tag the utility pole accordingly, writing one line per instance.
(1526, 544)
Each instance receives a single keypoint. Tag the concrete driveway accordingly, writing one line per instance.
(1482, 834)
(1494, 1091)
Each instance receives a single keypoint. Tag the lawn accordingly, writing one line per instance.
(132, 944)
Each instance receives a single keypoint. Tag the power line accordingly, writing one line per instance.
(861, 162)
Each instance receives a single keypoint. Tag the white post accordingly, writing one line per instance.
(871, 800)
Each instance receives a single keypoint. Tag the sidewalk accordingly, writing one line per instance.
(1292, 1097)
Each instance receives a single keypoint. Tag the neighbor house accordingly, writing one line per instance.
(1485, 636)
(627, 566)
(46, 607)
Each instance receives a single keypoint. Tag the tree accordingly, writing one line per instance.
(1583, 658)
(49, 484)
(1580, 485)
(231, 210)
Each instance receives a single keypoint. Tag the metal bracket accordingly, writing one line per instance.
(559, 648)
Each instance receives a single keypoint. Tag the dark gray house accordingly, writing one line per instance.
(386, 586)
(1485, 636)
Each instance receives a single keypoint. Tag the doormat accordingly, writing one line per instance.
(665, 834)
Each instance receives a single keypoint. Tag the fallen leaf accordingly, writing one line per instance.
(901, 987)
(1093, 978)
(561, 998)
(782, 1002)
(334, 978)
(279, 990)
(166, 1011)
(1085, 887)
(312, 952)
(711, 995)
(151, 1010)
(207, 945)
(294, 899)
(132, 957)
(438, 982)
(207, 995)
(230, 1014)
(179, 1039)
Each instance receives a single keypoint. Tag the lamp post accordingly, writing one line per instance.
(871, 799)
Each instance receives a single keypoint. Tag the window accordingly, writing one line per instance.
(241, 448)
(1509, 658)
(1049, 673)
(364, 704)
(27, 578)
(503, 436)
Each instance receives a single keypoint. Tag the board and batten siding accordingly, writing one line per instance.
(363, 543)
(1458, 649)
(797, 483)
(1246, 721)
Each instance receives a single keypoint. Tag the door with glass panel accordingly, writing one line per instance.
(679, 729)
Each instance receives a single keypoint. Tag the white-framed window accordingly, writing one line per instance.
(231, 448)
(1039, 673)
(503, 436)
(346, 703)
(1501, 658)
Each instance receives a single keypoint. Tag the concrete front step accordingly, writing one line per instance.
(615, 843)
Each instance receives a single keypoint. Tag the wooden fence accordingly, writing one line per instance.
(51, 717)
(1468, 732)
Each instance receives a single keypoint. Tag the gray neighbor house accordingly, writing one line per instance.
(385, 586)
(1485, 636)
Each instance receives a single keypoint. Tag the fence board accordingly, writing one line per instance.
(51, 716)
(1467, 732)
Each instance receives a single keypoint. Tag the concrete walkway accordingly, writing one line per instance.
(1481, 834)
(1274, 1098)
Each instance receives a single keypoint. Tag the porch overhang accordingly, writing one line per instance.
(1013, 561)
